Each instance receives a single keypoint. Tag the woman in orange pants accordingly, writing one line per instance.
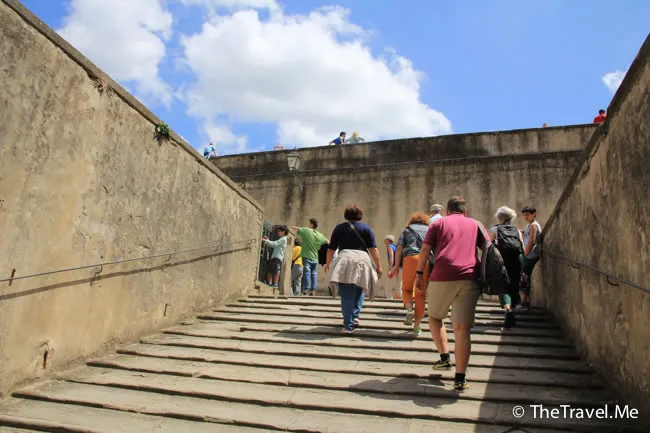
(408, 254)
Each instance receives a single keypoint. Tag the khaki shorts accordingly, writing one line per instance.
(461, 296)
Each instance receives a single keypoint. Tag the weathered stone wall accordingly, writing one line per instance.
(603, 220)
(83, 181)
(511, 168)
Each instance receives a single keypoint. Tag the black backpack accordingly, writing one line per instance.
(508, 242)
(493, 276)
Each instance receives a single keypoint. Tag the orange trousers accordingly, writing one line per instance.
(409, 266)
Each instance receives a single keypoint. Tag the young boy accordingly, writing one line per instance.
(277, 257)
(296, 268)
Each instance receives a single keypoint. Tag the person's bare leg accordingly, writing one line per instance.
(462, 347)
(276, 278)
(439, 335)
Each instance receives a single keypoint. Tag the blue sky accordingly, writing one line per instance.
(248, 74)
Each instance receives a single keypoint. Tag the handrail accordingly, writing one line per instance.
(115, 262)
(572, 262)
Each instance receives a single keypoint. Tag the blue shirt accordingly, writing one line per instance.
(338, 140)
(433, 218)
(394, 248)
(344, 238)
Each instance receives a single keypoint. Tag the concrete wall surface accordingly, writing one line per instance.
(83, 181)
(484, 168)
(603, 221)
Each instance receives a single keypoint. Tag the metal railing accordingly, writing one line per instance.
(268, 230)
(577, 264)
(249, 242)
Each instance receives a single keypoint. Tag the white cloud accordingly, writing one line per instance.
(233, 4)
(125, 38)
(223, 135)
(311, 75)
(613, 80)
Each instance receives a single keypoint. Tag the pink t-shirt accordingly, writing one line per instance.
(455, 240)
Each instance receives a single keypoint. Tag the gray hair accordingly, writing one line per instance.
(437, 208)
(504, 214)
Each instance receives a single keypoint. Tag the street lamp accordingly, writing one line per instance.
(295, 164)
(294, 161)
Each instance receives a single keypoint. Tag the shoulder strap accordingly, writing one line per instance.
(356, 232)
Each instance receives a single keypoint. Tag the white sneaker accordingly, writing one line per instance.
(409, 318)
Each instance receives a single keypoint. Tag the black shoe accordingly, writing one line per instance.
(440, 365)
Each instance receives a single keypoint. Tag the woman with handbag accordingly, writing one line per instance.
(352, 272)
(408, 254)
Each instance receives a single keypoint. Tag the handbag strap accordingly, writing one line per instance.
(356, 232)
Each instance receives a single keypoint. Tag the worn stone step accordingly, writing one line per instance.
(48, 416)
(7, 429)
(329, 301)
(420, 344)
(434, 385)
(486, 312)
(355, 353)
(501, 338)
(371, 324)
(283, 418)
(424, 407)
(493, 320)
(369, 368)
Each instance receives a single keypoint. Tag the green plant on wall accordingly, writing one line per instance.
(162, 131)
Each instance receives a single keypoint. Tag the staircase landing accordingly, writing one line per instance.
(267, 364)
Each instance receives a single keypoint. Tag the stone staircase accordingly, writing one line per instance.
(281, 364)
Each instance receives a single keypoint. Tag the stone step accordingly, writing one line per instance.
(356, 353)
(48, 416)
(485, 312)
(125, 390)
(226, 413)
(435, 385)
(369, 368)
(494, 320)
(419, 344)
(329, 301)
(7, 429)
(502, 338)
(481, 327)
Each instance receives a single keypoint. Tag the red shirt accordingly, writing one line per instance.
(600, 118)
(455, 240)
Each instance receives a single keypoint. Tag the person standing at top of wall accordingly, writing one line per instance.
(602, 116)
(311, 243)
(453, 283)
(296, 268)
(339, 140)
(277, 257)
(531, 235)
(392, 292)
(435, 212)
(356, 139)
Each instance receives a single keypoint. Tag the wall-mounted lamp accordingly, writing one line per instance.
(295, 164)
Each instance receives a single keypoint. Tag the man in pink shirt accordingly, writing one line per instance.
(455, 239)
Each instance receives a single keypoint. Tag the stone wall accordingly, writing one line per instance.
(603, 221)
(393, 179)
(83, 181)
